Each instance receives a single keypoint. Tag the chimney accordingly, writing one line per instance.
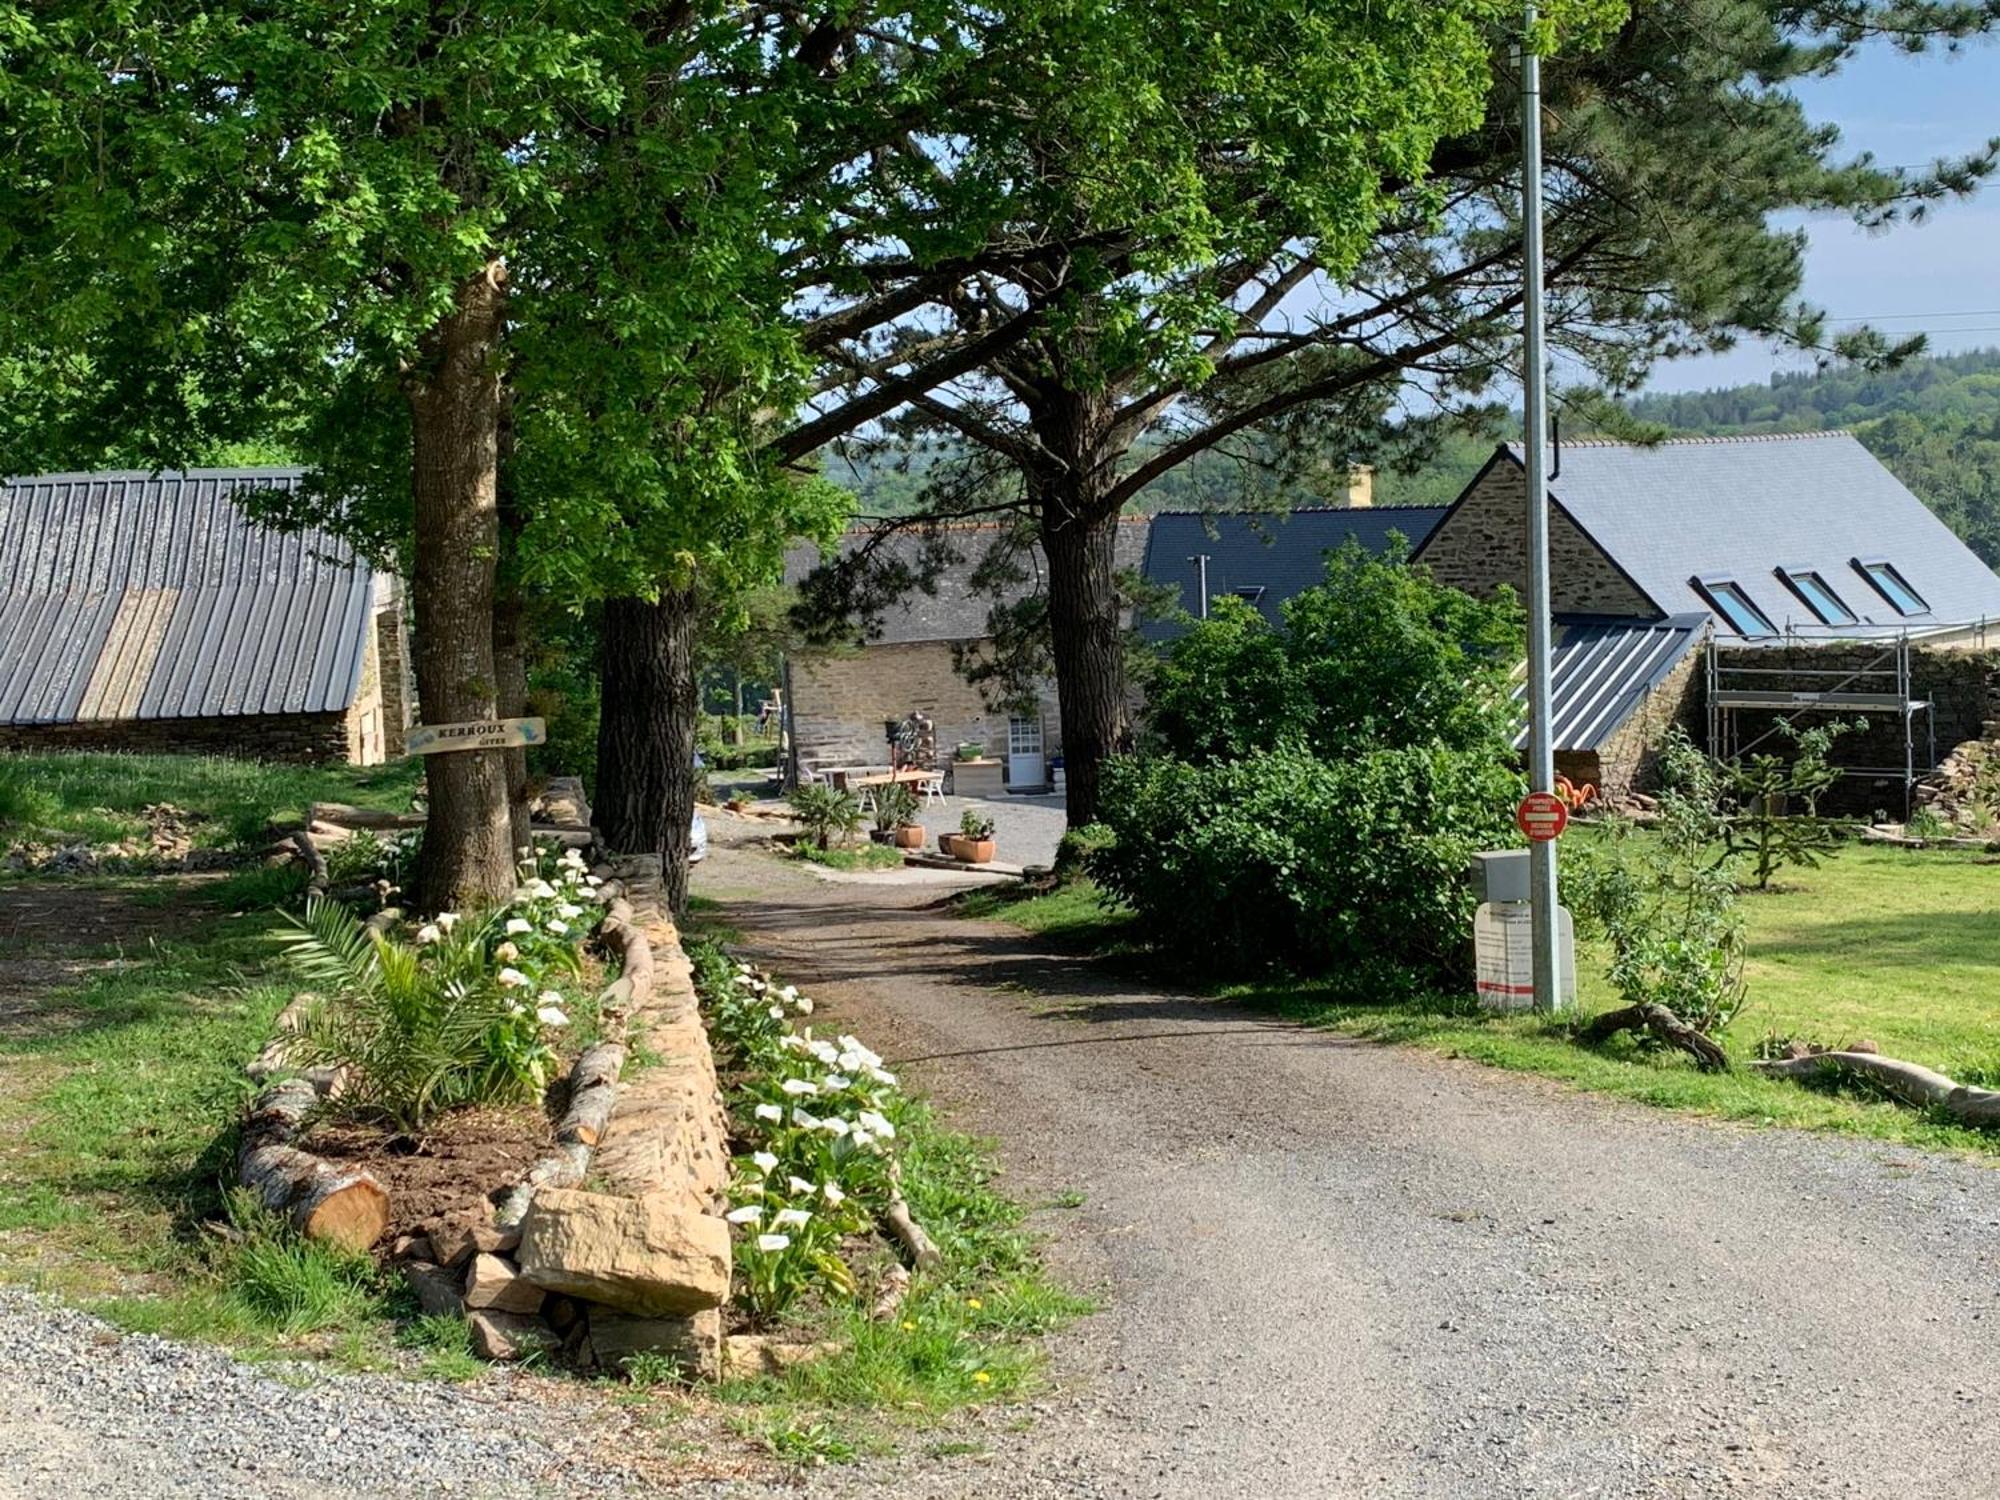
(1361, 486)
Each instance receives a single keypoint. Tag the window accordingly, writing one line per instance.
(1726, 597)
(1827, 606)
(1249, 591)
(1892, 586)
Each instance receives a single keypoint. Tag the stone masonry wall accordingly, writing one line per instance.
(304, 738)
(1626, 761)
(392, 649)
(839, 704)
(1484, 543)
(364, 715)
(1960, 685)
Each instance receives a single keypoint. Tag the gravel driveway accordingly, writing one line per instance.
(1337, 1269)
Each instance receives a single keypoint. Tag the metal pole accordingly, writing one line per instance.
(1542, 891)
(1200, 561)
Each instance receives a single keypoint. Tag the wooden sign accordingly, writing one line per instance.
(485, 734)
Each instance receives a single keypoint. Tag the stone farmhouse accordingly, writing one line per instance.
(843, 704)
(1821, 582)
(148, 612)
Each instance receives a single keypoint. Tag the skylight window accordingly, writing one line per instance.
(1728, 599)
(1827, 606)
(1892, 586)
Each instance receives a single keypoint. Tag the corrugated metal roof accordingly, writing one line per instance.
(1602, 669)
(147, 596)
(1273, 555)
(1743, 509)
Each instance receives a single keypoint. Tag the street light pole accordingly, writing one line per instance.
(1542, 892)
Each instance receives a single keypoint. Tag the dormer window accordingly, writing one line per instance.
(1726, 597)
(1892, 586)
(1817, 595)
(1250, 592)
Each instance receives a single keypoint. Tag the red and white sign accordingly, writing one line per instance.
(1541, 816)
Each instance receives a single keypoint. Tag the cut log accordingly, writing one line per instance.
(924, 1253)
(275, 1056)
(316, 876)
(593, 1093)
(564, 1169)
(343, 1205)
(1912, 1083)
(347, 816)
(1906, 1081)
(1665, 1025)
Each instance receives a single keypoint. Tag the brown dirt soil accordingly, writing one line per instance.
(466, 1157)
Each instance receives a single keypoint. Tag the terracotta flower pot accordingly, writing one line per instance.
(910, 836)
(972, 851)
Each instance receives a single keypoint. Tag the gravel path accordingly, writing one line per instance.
(87, 1411)
(1339, 1269)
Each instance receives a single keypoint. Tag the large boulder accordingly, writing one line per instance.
(650, 1256)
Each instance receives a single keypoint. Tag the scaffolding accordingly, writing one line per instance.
(1881, 686)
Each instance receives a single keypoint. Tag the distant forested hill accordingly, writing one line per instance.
(1934, 422)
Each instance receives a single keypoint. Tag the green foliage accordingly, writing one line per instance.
(973, 824)
(463, 1014)
(1666, 905)
(1078, 847)
(1925, 823)
(100, 797)
(294, 1285)
(1379, 655)
(1759, 791)
(1354, 866)
(824, 813)
(895, 806)
(859, 857)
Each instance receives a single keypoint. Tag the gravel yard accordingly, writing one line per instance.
(1334, 1269)
(85, 1410)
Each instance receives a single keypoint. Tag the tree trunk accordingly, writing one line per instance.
(468, 858)
(1087, 648)
(510, 668)
(646, 733)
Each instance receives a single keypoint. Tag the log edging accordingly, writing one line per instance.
(1909, 1082)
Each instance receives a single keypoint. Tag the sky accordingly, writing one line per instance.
(1941, 277)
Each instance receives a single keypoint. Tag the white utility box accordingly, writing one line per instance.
(1504, 955)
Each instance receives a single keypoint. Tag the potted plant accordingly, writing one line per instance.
(896, 817)
(973, 842)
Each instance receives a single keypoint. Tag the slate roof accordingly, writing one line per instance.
(1745, 508)
(148, 596)
(1278, 553)
(1601, 669)
(955, 611)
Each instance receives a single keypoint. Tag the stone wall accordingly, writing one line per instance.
(839, 704)
(1627, 759)
(1484, 544)
(308, 738)
(1960, 686)
(399, 693)
(364, 725)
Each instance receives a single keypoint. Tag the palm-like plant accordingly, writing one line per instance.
(822, 812)
(420, 1028)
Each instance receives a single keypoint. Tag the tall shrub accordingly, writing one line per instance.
(1312, 792)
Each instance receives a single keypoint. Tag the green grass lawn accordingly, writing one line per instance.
(1899, 947)
(97, 798)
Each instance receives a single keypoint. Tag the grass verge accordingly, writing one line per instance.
(97, 798)
(1893, 946)
(859, 857)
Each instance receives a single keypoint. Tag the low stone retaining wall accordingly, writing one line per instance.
(614, 1246)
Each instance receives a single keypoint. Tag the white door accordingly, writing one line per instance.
(1025, 766)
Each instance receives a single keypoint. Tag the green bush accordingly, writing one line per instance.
(1379, 655)
(463, 1014)
(1357, 865)
(1312, 792)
